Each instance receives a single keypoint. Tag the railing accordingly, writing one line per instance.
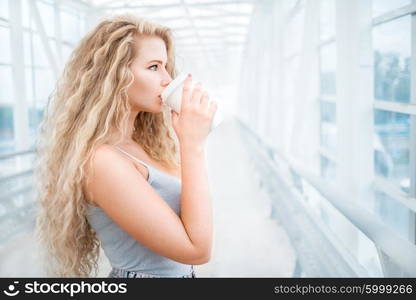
(17, 206)
(318, 255)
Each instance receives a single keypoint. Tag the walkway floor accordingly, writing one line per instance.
(247, 243)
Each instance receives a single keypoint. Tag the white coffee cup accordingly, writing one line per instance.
(172, 96)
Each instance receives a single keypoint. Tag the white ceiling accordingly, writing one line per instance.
(200, 26)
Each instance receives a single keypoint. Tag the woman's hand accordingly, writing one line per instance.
(192, 125)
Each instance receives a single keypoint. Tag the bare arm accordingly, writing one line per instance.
(196, 208)
(192, 126)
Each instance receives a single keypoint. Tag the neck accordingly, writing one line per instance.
(127, 139)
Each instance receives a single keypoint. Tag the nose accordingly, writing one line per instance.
(166, 80)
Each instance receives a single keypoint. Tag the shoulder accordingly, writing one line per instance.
(104, 151)
(105, 164)
(103, 159)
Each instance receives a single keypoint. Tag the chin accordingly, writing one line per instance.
(158, 108)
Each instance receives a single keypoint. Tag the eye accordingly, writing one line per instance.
(156, 66)
(152, 66)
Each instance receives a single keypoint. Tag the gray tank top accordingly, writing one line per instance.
(122, 250)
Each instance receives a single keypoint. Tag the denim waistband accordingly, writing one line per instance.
(120, 273)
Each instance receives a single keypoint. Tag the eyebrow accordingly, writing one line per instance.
(159, 61)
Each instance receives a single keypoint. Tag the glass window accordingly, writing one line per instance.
(295, 33)
(44, 84)
(39, 54)
(35, 115)
(392, 147)
(383, 6)
(7, 167)
(4, 9)
(328, 126)
(342, 232)
(53, 45)
(328, 112)
(328, 61)
(287, 6)
(328, 168)
(70, 26)
(47, 13)
(6, 90)
(27, 48)
(5, 48)
(394, 214)
(329, 136)
(27, 18)
(327, 19)
(392, 62)
(291, 71)
(66, 52)
(29, 85)
(83, 21)
(6, 128)
(33, 48)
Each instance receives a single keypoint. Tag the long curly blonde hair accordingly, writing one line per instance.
(89, 99)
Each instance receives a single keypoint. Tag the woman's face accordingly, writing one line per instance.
(150, 75)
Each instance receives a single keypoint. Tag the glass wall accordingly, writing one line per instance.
(393, 131)
(6, 90)
(63, 26)
(366, 124)
(328, 68)
(27, 76)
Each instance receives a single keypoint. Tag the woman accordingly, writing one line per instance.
(119, 169)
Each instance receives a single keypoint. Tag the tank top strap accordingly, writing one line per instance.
(133, 157)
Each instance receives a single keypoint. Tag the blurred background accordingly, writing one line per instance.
(313, 171)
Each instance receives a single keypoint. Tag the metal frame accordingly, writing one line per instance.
(197, 34)
(412, 143)
(328, 154)
(206, 4)
(395, 14)
(44, 38)
(203, 17)
(328, 98)
(16, 175)
(58, 31)
(327, 41)
(17, 153)
(20, 106)
(214, 28)
(404, 108)
(384, 185)
(323, 150)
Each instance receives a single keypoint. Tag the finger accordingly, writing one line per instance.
(174, 113)
(174, 116)
(205, 100)
(213, 107)
(186, 91)
(197, 93)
